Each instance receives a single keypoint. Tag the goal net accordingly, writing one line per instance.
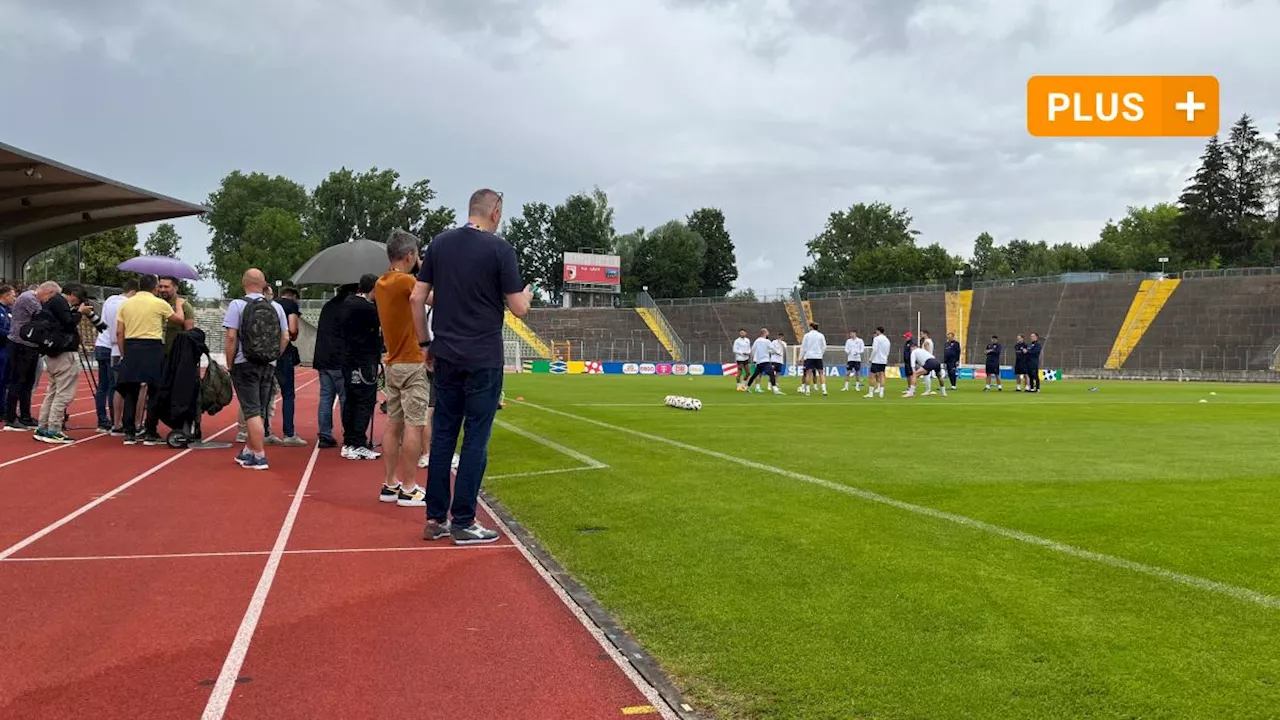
(833, 359)
(512, 358)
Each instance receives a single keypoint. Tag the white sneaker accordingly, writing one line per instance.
(424, 461)
(870, 394)
(759, 389)
(364, 453)
(348, 452)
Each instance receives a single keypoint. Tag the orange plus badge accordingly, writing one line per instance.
(1122, 105)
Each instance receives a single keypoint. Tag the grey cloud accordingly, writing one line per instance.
(778, 116)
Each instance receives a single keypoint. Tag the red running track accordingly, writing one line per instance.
(143, 582)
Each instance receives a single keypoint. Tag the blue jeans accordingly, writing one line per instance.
(466, 399)
(285, 379)
(331, 388)
(102, 399)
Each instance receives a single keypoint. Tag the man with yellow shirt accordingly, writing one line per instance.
(140, 325)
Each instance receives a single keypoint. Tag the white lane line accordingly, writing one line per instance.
(545, 472)
(102, 498)
(55, 448)
(1233, 591)
(650, 693)
(253, 553)
(98, 435)
(585, 460)
(226, 684)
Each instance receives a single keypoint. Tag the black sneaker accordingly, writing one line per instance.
(475, 534)
(117, 431)
(130, 439)
(389, 494)
(18, 426)
(436, 530)
(152, 439)
(326, 442)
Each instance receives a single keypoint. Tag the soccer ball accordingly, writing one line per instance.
(697, 404)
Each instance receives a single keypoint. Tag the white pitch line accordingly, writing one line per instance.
(947, 401)
(585, 460)
(251, 553)
(545, 472)
(1233, 591)
(101, 499)
(650, 693)
(226, 684)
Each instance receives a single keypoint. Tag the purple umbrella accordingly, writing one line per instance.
(159, 265)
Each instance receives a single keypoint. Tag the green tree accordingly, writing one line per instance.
(849, 235)
(669, 261)
(276, 243)
(346, 206)
(1247, 156)
(1138, 241)
(720, 265)
(166, 241)
(582, 223)
(239, 199)
(624, 246)
(1204, 224)
(102, 252)
(530, 235)
(58, 263)
(988, 259)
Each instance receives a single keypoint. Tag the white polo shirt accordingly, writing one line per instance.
(853, 349)
(814, 345)
(880, 350)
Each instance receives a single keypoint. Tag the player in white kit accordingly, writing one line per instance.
(742, 354)
(853, 349)
(879, 360)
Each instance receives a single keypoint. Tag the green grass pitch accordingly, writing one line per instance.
(1073, 554)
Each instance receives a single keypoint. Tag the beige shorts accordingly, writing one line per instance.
(408, 393)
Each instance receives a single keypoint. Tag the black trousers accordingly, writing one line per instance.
(23, 362)
(1033, 375)
(361, 386)
(764, 368)
(952, 371)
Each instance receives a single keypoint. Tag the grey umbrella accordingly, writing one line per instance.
(343, 264)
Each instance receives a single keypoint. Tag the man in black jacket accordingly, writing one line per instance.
(1020, 364)
(362, 345)
(994, 351)
(327, 361)
(951, 356)
(1033, 364)
(66, 308)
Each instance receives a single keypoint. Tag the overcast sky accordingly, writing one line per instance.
(776, 111)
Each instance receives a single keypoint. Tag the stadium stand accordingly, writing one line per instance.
(1214, 324)
(605, 334)
(897, 313)
(708, 330)
(1077, 322)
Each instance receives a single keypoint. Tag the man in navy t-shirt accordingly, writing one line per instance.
(474, 276)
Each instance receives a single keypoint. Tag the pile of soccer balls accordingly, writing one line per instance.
(684, 403)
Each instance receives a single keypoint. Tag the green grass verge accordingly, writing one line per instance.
(768, 597)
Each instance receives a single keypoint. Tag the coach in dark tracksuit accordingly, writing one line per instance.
(1033, 363)
(1020, 362)
(951, 356)
(994, 351)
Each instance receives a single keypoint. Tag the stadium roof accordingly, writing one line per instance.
(45, 203)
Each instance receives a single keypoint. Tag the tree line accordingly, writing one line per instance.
(100, 253)
(1228, 215)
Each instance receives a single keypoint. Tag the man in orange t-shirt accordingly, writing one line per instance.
(405, 370)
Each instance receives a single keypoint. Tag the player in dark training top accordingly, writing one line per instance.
(994, 350)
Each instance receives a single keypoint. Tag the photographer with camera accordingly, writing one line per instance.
(59, 323)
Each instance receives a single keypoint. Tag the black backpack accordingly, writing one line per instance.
(259, 332)
(45, 332)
